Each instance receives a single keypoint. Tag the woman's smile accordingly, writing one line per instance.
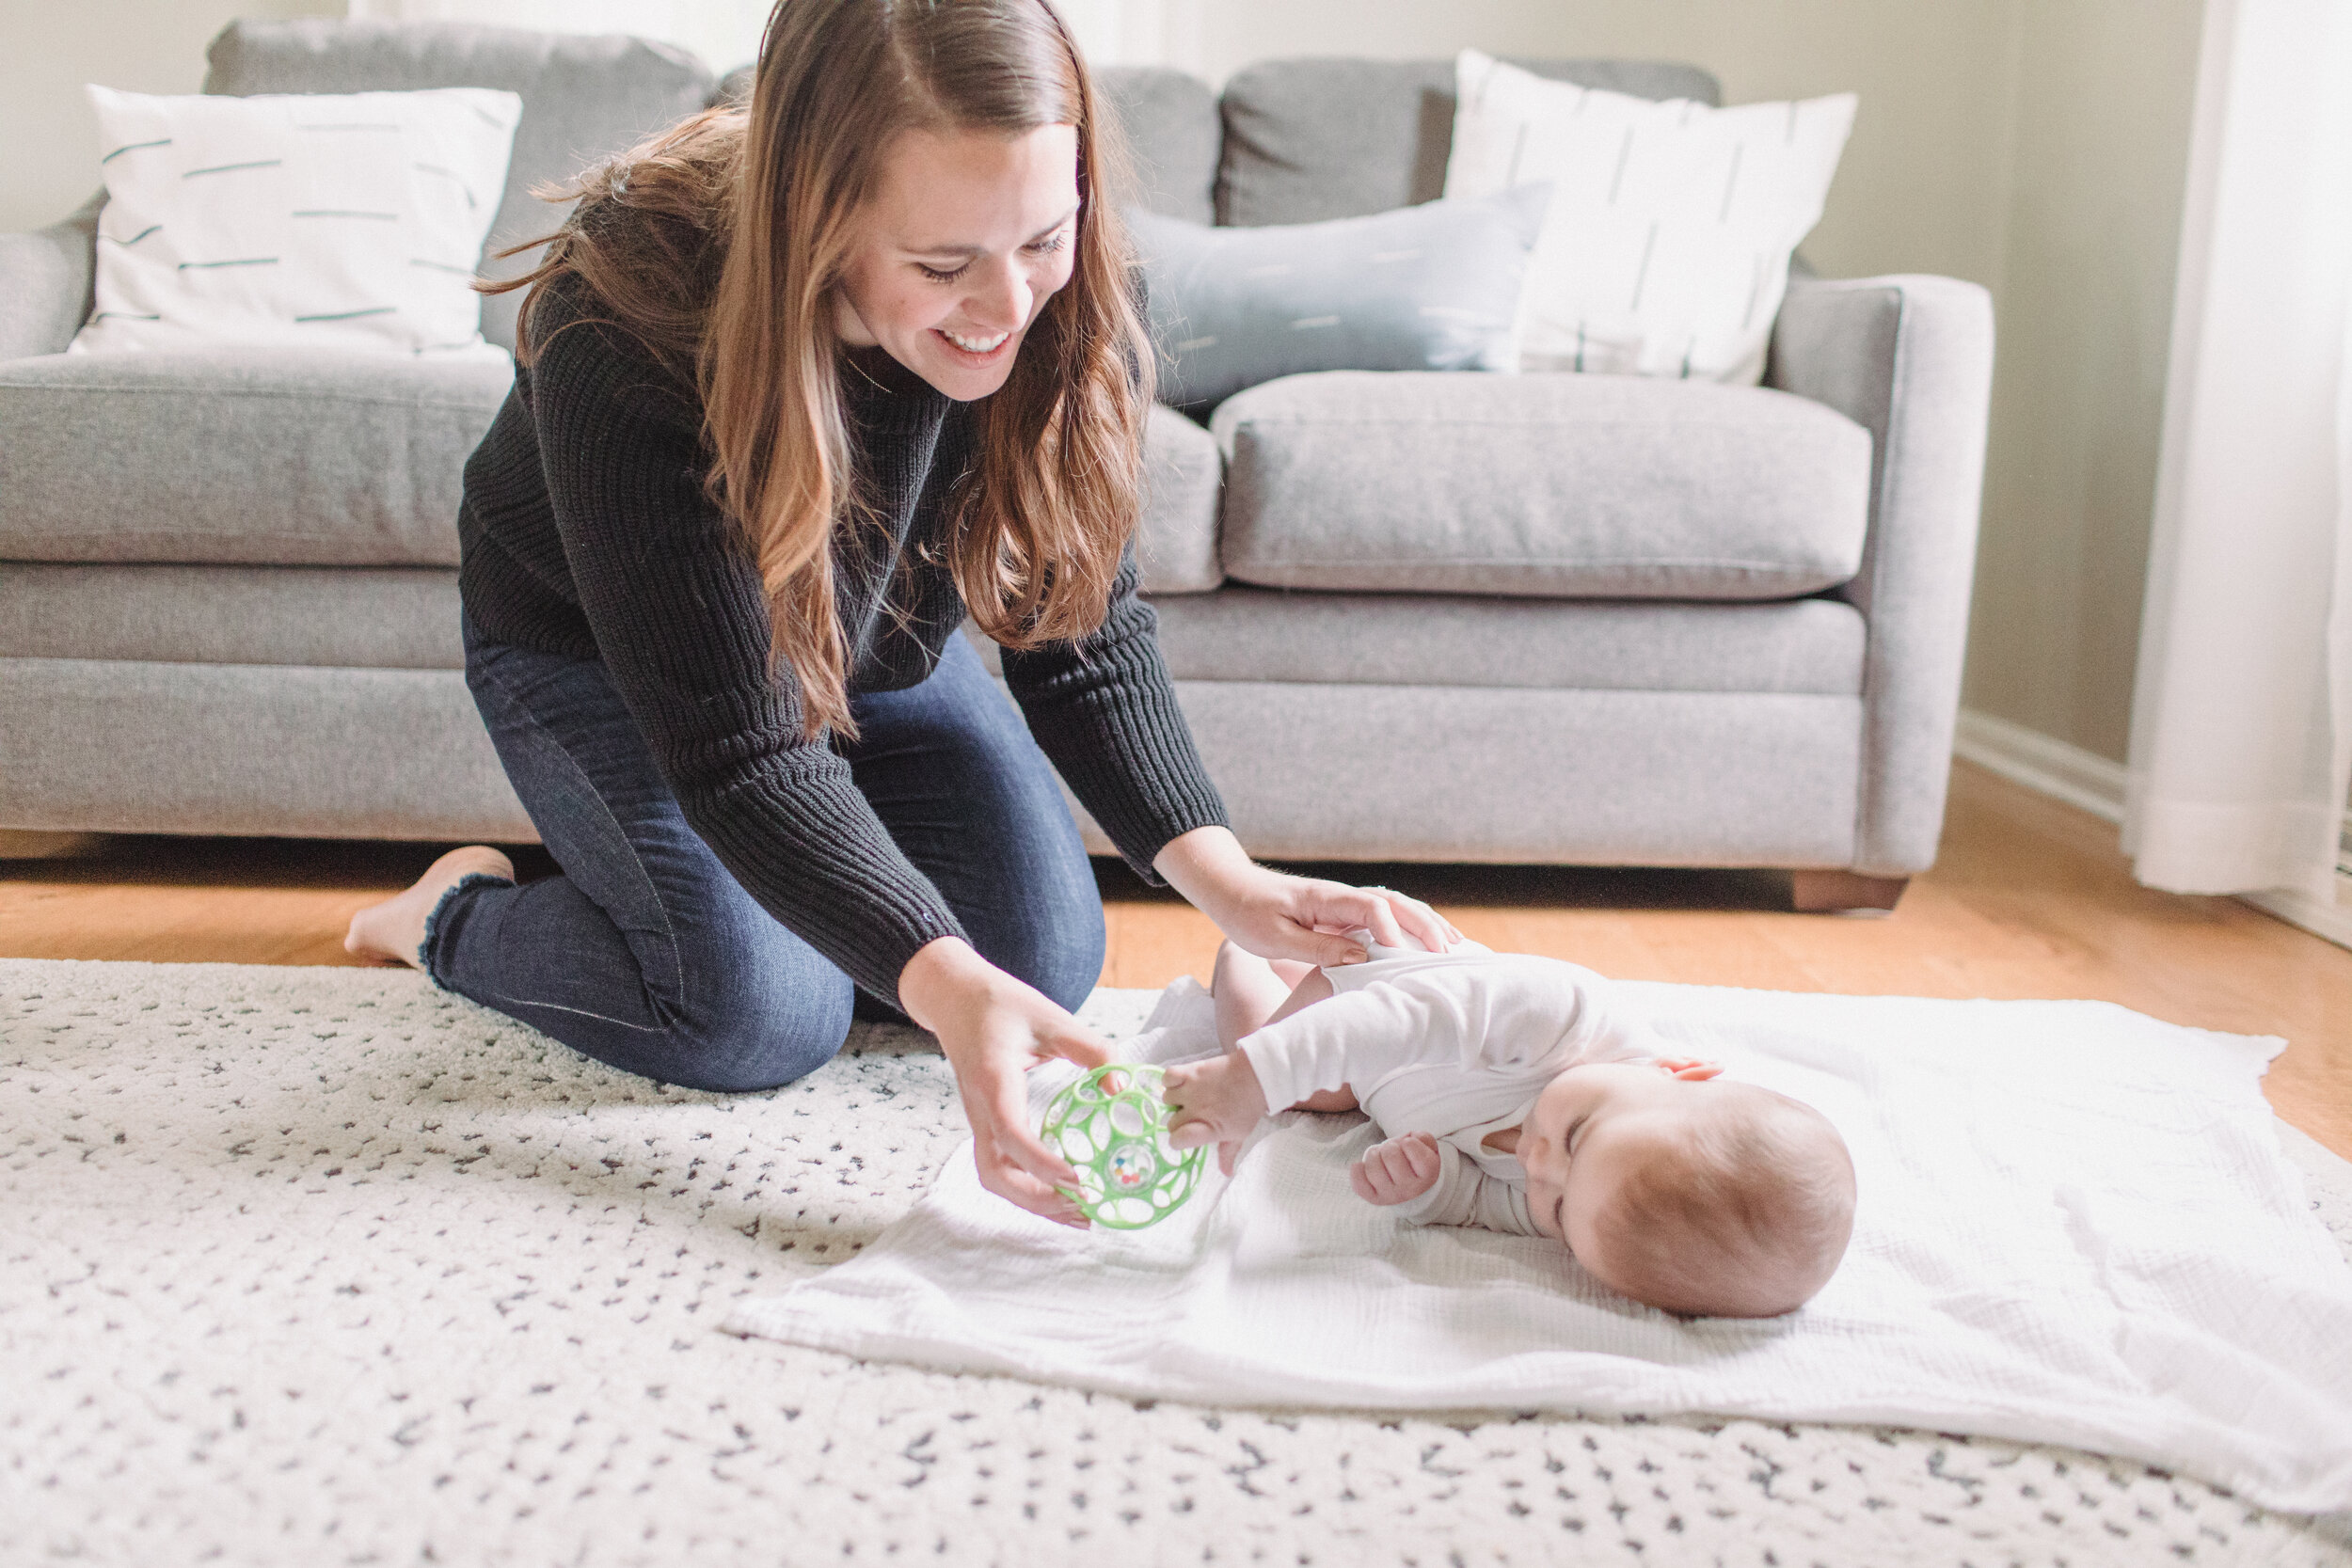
(979, 349)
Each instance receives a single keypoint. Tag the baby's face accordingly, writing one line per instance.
(1601, 1118)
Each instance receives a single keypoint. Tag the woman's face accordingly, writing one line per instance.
(970, 233)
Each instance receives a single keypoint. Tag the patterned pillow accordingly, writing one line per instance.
(346, 221)
(1428, 288)
(1666, 249)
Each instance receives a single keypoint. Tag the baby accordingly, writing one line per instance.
(1515, 1092)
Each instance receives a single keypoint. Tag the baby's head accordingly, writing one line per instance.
(1697, 1196)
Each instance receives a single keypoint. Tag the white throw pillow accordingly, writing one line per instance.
(351, 221)
(1666, 249)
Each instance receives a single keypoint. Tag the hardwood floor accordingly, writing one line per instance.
(2030, 898)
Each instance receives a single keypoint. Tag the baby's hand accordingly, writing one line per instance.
(1216, 1101)
(1397, 1171)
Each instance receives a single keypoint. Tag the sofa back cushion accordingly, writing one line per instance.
(584, 98)
(1172, 133)
(1571, 486)
(1306, 140)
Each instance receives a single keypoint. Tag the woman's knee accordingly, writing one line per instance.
(744, 1005)
(742, 1048)
(1057, 948)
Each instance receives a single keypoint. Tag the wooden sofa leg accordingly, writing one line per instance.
(1844, 892)
(20, 843)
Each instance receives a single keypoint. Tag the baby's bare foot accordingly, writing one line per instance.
(391, 932)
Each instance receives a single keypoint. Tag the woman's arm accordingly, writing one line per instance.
(1277, 915)
(1103, 711)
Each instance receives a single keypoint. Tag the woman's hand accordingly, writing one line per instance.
(993, 1029)
(1277, 915)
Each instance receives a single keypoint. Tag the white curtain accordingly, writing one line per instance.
(2242, 716)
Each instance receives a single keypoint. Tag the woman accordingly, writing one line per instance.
(798, 388)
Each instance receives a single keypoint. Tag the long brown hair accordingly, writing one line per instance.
(719, 245)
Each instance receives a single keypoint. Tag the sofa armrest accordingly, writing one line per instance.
(1910, 359)
(45, 281)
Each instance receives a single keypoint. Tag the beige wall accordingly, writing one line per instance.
(49, 48)
(2035, 146)
(2106, 90)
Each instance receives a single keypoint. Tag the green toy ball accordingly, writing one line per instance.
(1112, 1127)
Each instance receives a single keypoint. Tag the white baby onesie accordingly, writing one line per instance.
(1456, 1045)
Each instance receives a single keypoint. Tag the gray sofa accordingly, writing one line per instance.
(1463, 617)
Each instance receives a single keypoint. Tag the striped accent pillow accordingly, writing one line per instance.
(1666, 249)
(346, 221)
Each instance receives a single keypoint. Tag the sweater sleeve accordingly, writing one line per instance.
(680, 619)
(1103, 711)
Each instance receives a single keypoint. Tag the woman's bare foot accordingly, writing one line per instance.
(391, 932)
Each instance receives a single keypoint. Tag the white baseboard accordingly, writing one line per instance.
(2094, 784)
(2082, 779)
(2322, 919)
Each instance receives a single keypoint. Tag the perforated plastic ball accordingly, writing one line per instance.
(1112, 1127)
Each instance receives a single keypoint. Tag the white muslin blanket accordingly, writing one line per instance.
(2075, 1227)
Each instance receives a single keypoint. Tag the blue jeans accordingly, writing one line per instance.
(648, 955)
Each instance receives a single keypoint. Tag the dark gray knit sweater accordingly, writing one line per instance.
(585, 532)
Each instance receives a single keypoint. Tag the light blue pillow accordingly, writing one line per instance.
(1428, 288)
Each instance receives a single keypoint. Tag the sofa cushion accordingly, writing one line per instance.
(1572, 485)
(359, 617)
(1172, 133)
(284, 750)
(1176, 545)
(1306, 140)
(584, 98)
(1561, 777)
(1469, 643)
(1812, 646)
(281, 458)
(267, 456)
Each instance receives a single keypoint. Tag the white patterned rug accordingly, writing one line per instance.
(323, 1267)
